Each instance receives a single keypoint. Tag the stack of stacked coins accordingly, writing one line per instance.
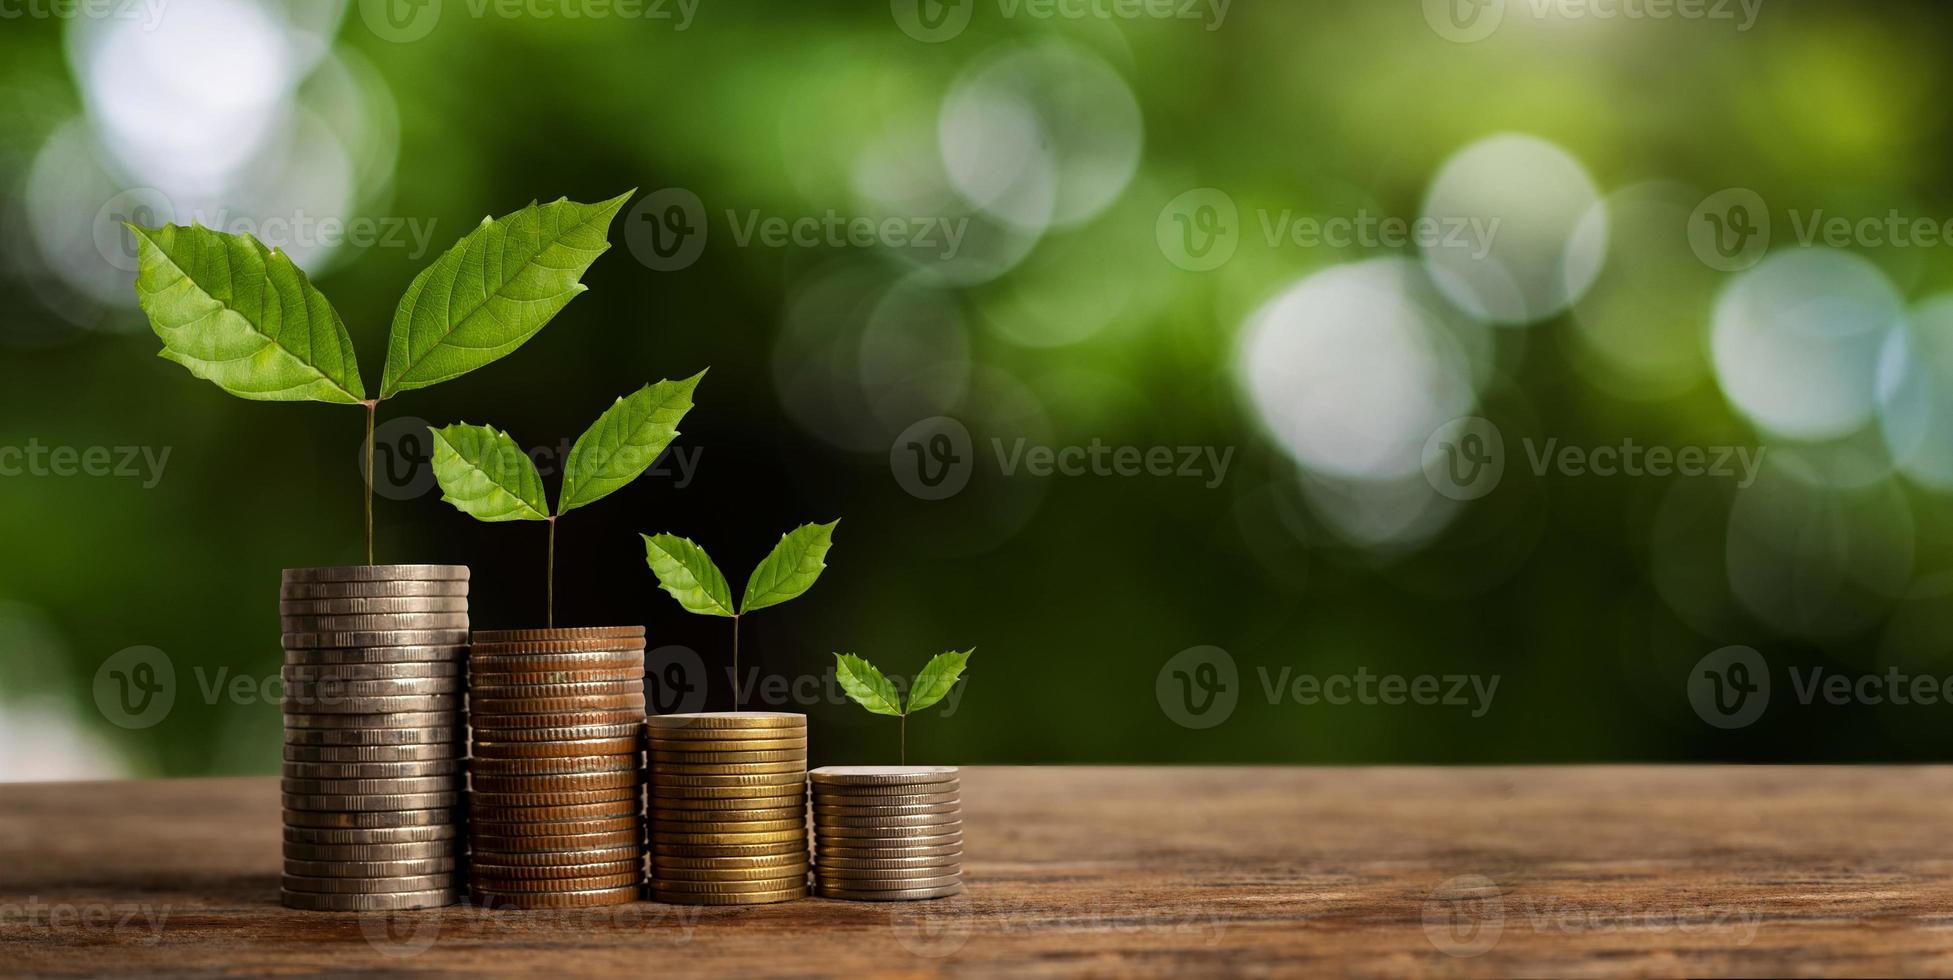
(887, 833)
(557, 798)
(374, 735)
(728, 807)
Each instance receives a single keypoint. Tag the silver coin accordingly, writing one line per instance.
(449, 737)
(372, 770)
(403, 588)
(841, 826)
(874, 852)
(377, 573)
(874, 794)
(325, 690)
(373, 622)
(371, 819)
(382, 802)
(393, 902)
(952, 858)
(895, 839)
(447, 653)
(395, 786)
(880, 775)
(361, 853)
(874, 812)
(370, 886)
(370, 869)
(488, 733)
(323, 673)
(890, 895)
(372, 638)
(366, 606)
(447, 718)
(877, 878)
(446, 834)
(876, 803)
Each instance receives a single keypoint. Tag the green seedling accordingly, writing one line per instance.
(684, 570)
(245, 318)
(874, 691)
(485, 475)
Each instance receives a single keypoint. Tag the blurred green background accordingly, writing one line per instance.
(1074, 309)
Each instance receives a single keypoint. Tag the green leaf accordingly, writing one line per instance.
(493, 290)
(243, 317)
(483, 473)
(866, 685)
(625, 441)
(684, 571)
(792, 567)
(937, 677)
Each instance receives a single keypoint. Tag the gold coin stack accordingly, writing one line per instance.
(887, 833)
(728, 807)
(556, 801)
(374, 735)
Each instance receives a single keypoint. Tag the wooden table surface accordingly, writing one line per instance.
(1580, 871)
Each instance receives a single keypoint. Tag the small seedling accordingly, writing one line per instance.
(870, 689)
(684, 570)
(245, 318)
(484, 474)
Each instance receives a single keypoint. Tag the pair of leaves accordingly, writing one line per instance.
(245, 318)
(874, 691)
(688, 574)
(484, 473)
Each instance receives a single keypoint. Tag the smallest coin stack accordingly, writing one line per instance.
(887, 833)
(556, 798)
(728, 807)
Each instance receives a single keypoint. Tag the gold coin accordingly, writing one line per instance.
(660, 851)
(892, 895)
(558, 634)
(489, 679)
(565, 798)
(393, 902)
(368, 886)
(334, 639)
(542, 648)
(508, 886)
(679, 818)
(795, 778)
(664, 756)
(706, 720)
(563, 900)
(494, 858)
(568, 782)
(494, 721)
(571, 689)
(880, 775)
(556, 706)
(691, 886)
(661, 828)
(772, 873)
(489, 662)
(661, 790)
(786, 799)
(372, 770)
(724, 745)
(483, 813)
(370, 869)
(491, 734)
(375, 573)
(398, 588)
(498, 874)
(555, 765)
(664, 767)
(371, 819)
(367, 605)
(556, 750)
(797, 834)
(754, 862)
(562, 835)
(671, 897)
(544, 845)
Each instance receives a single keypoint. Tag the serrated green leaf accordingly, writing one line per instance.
(937, 677)
(243, 317)
(792, 567)
(866, 685)
(625, 441)
(494, 290)
(483, 473)
(684, 571)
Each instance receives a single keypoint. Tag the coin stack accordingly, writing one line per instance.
(557, 800)
(728, 807)
(374, 735)
(887, 833)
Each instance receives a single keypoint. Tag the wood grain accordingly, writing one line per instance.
(1585, 871)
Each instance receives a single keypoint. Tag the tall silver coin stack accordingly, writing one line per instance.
(728, 807)
(887, 833)
(556, 801)
(375, 735)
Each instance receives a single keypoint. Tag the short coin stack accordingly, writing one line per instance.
(374, 735)
(557, 800)
(728, 807)
(887, 833)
